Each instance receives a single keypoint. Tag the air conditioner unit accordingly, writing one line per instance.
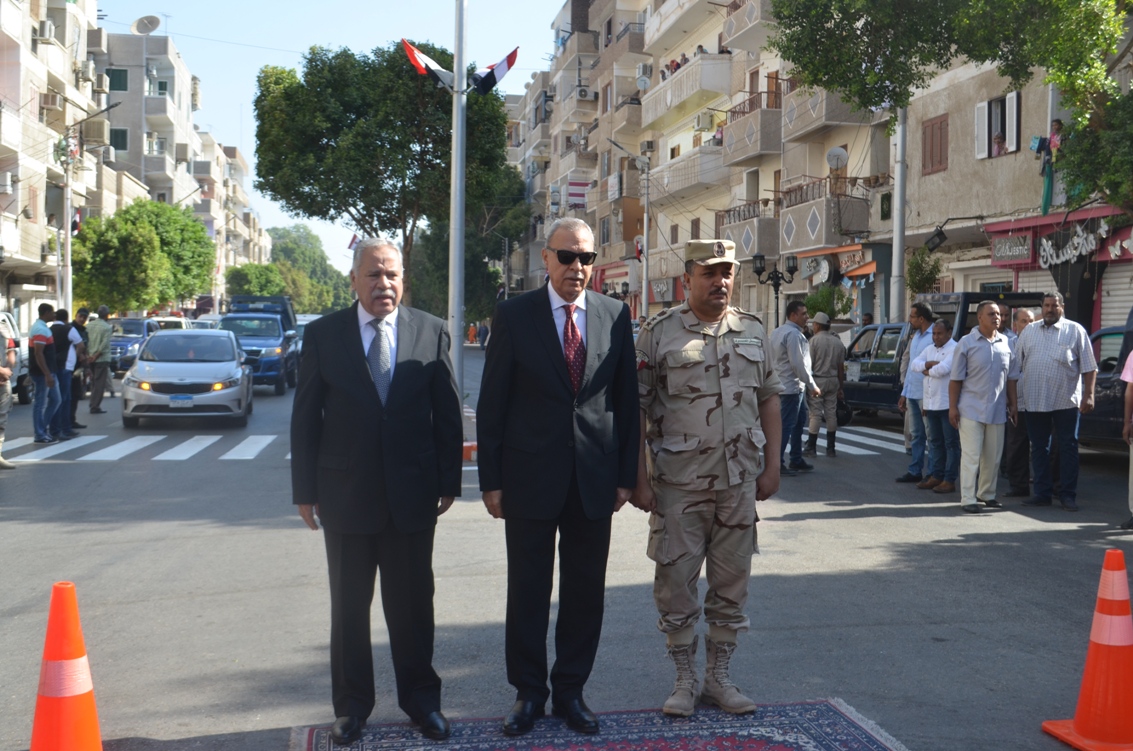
(109, 154)
(47, 30)
(86, 70)
(151, 71)
(584, 93)
(101, 83)
(96, 132)
(5, 182)
(50, 101)
(704, 121)
(644, 69)
(648, 147)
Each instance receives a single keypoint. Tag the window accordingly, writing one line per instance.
(609, 31)
(605, 164)
(697, 140)
(934, 145)
(155, 146)
(119, 79)
(120, 139)
(604, 231)
(997, 126)
(675, 151)
(161, 198)
(674, 235)
(694, 231)
(607, 95)
(158, 88)
(777, 182)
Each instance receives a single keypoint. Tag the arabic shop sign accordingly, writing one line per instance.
(1067, 245)
(1013, 248)
(851, 260)
(662, 289)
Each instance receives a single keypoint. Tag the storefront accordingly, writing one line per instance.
(862, 270)
(622, 280)
(1081, 255)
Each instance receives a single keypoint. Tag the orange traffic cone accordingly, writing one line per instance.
(65, 715)
(1104, 718)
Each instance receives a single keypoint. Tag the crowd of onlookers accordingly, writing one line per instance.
(1006, 396)
(677, 63)
(63, 356)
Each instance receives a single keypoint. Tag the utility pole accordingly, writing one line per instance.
(642, 163)
(900, 178)
(456, 206)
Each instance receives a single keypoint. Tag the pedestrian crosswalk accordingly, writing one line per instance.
(176, 448)
(862, 441)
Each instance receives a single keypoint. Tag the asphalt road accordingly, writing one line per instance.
(204, 601)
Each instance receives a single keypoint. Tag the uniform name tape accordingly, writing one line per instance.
(61, 678)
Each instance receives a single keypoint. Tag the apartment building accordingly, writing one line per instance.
(530, 148)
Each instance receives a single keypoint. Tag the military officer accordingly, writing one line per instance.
(709, 405)
(828, 356)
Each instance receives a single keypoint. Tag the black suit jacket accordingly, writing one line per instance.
(353, 457)
(533, 432)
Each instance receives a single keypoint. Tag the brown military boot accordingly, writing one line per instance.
(811, 448)
(831, 448)
(686, 691)
(718, 686)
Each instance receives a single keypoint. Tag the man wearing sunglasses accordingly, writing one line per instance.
(557, 434)
(709, 407)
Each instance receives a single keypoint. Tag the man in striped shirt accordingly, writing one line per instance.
(41, 367)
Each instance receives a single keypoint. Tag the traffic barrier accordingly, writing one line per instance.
(65, 715)
(1103, 720)
(470, 451)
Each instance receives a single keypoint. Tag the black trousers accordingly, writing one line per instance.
(406, 565)
(1017, 455)
(584, 545)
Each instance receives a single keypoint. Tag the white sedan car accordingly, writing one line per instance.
(188, 373)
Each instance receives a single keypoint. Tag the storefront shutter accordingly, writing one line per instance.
(1116, 294)
(1039, 280)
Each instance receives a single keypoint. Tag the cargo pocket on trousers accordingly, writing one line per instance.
(657, 547)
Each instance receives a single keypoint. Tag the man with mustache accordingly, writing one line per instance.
(557, 433)
(376, 435)
(710, 415)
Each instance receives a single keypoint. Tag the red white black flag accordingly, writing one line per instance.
(427, 66)
(485, 79)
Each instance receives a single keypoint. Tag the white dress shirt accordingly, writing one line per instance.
(936, 380)
(558, 308)
(389, 328)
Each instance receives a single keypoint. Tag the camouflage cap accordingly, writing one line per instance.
(708, 252)
(821, 319)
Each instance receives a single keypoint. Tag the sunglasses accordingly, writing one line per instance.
(568, 257)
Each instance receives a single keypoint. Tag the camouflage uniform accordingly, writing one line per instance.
(700, 387)
(827, 354)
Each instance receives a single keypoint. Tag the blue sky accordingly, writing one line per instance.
(226, 43)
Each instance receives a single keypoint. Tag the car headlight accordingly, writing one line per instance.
(133, 349)
(134, 382)
(231, 383)
(272, 352)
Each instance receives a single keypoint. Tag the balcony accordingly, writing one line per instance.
(537, 185)
(159, 167)
(538, 140)
(573, 159)
(666, 31)
(573, 109)
(689, 176)
(514, 154)
(754, 128)
(12, 19)
(160, 111)
(807, 114)
(629, 41)
(705, 79)
(814, 217)
(624, 184)
(627, 118)
(753, 227)
(567, 52)
(205, 169)
(748, 24)
(11, 130)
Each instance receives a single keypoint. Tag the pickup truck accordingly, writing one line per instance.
(1102, 428)
(873, 359)
(265, 327)
(22, 384)
(127, 335)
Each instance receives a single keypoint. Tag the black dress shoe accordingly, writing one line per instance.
(98, 411)
(1070, 505)
(1017, 493)
(577, 715)
(1128, 524)
(346, 730)
(78, 425)
(909, 477)
(435, 726)
(521, 719)
(970, 508)
(990, 504)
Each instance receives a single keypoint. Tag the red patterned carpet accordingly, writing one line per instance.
(827, 725)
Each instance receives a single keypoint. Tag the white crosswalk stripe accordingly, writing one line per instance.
(15, 443)
(187, 449)
(121, 449)
(58, 448)
(250, 447)
(851, 434)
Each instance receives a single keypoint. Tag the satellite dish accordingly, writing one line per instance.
(643, 83)
(837, 158)
(145, 25)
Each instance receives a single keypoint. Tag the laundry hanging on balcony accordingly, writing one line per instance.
(576, 194)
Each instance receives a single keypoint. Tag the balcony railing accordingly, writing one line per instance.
(748, 24)
(752, 226)
(696, 172)
(806, 113)
(761, 100)
(804, 193)
(703, 80)
(819, 214)
(631, 28)
(745, 211)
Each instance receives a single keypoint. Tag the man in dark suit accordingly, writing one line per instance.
(376, 436)
(557, 433)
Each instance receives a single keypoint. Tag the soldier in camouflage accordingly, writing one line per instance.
(708, 398)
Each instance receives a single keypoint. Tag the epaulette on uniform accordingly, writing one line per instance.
(657, 318)
(745, 314)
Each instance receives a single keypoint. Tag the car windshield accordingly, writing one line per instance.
(171, 324)
(128, 327)
(267, 327)
(188, 348)
(299, 329)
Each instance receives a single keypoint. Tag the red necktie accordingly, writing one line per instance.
(574, 349)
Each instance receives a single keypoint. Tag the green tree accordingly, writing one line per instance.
(876, 54)
(184, 240)
(922, 271)
(830, 299)
(1097, 156)
(119, 263)
(254, 279)
(313, 284)
(367, 138)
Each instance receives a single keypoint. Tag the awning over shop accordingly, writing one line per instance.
(863, 270)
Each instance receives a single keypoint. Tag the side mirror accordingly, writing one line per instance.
(240, 356)
(290, 334)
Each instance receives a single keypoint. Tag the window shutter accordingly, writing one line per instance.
(1012, 121)
(981, 130)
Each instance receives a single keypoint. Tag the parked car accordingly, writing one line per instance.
(301, 326)
(171, 322)
(198, 323)
(188, 373)
(22, 384)
(127, 335)
(1102, 428)
(269, 348)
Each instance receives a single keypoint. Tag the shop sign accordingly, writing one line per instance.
(817, 268)
(1012, 248)
(662, 289)
(851, 260)
(1068, 245)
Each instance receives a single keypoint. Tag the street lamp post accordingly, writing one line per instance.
(775, 277)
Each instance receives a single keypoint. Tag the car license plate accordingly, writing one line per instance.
(853, 370)
(181, 401)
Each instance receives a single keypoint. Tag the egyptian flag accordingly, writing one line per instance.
(485, 79)
(353, 242)
(77, 223)
(426, 66)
